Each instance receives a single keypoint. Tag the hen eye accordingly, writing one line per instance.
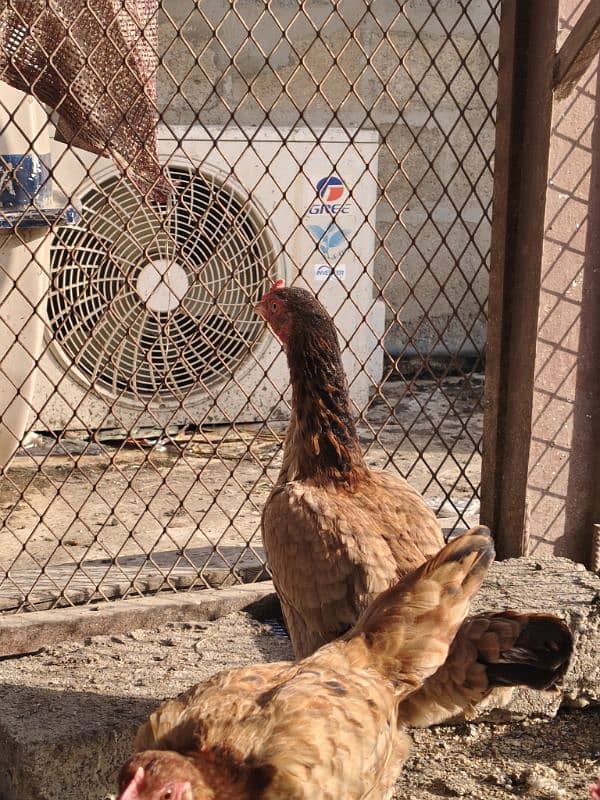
(273, 306)
(167, 795)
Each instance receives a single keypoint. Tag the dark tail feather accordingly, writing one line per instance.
(539, 657)
(490, 651)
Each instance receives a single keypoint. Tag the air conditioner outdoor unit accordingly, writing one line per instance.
(152, 324)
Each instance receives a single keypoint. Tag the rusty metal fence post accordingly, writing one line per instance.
(520, 179)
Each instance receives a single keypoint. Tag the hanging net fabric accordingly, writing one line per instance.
(94, 63)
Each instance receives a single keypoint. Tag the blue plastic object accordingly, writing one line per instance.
(26, 196)
(24, 178)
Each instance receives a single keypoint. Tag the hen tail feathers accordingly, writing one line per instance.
(406, 632)
(491, 650)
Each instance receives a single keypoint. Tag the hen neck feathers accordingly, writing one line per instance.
(229, 775)
(321, 442)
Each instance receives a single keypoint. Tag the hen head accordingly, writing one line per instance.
(273, 308)
(162, 775)
(286, 309)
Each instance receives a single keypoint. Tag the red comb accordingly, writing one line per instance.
(279, 284)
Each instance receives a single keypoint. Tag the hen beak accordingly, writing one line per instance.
(132, 790)
(259, 309)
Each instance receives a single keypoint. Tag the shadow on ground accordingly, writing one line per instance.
(62, 743)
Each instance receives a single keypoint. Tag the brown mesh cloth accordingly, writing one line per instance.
(94, 62)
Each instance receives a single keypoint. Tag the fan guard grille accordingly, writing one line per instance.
(149, 305)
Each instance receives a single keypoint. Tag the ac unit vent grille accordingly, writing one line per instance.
(153, 305)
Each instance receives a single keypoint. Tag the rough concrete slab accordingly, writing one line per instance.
(68, 713)
(25, 633)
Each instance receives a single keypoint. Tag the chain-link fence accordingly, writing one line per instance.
(342, 146)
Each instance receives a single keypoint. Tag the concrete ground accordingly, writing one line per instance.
(69, 714)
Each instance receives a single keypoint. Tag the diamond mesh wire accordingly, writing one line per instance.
(347, 147)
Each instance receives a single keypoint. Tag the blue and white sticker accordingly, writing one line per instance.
(332, 240)
(324, 271)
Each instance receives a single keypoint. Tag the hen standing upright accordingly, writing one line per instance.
(325, 728)
(337, 533)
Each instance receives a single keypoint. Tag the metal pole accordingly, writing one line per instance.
(527, 48)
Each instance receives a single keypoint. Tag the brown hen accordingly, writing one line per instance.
(324, 728)
(337, 533)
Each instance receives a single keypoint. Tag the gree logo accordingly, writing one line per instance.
(330, 190)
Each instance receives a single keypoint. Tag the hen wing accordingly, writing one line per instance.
(208, 711)
(331, 550)
(325, 561)
(334, 732)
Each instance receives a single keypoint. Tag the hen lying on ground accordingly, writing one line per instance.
(325, 728)
(337, 533)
